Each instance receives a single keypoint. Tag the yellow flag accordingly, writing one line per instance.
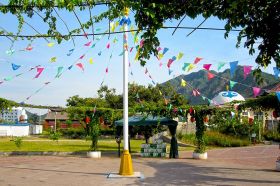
(131, 30)
(50, 44)
(183, 83)
(160, 93)
(53, 59)
(136, 56)
(112, 26)
(90, 61)
(180, 55)
(160, 56)
(190, 67)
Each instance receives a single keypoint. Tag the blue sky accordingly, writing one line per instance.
(210, 45)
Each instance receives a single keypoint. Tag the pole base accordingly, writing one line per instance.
(126, 168)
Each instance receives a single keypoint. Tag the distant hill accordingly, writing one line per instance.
(210, 88)
(35, 118)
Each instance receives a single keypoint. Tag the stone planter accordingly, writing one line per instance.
(200, 156)
(94, 154)
(277, 165)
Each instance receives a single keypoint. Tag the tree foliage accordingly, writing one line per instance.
(259, 20)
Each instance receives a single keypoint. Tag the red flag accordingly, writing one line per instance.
(207, 66)
(81, 57)
(88, 44)
(210, 75)
(80, 65)
(197, 59)
(107, 70)
(108, 45)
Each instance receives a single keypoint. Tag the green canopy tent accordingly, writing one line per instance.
(147, 121)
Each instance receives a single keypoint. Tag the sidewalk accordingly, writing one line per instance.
(230, 166)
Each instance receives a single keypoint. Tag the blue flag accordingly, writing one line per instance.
(165, 50)
(278, 95)
(233, 66)
(276, 72)
(15, 67)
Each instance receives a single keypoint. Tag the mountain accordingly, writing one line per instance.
(35, 118)
(210, 88)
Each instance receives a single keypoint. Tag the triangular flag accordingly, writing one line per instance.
(141, 43)
(81, 66)
(233, 66)
(50, 44)
(231, 84)
(160, 64)
(108, 45)
(160, 93)
(185, 66)
(247, 70)
(256, 91)
(276, 72)
(70, 52)
(46, 83)
(8, 78)
(53, 59)
(19, 74)
(39, 71)
(180, 55)
(278, 95)
(90, 61)
(82, 56)
(70, 67)
(159, 49)
(112, 27)
(99, 53)
(207, 66)
(29, 48)
(165, 50)
(195, 92)
(204, 98)
(153, 82)
(87, 44)
(10, 52)
(121, 54)
(146, 71)
(111, 56)
(183, 83)
(210, 75)
(170, 61)
(107, 70)
(131, 48)
(160, 56)
(170, 71)
(220, 65)
(15, 67)
(93, 45)
(197, 59)
(59, 72)
(190, 67)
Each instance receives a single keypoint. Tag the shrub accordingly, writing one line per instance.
(73, 133)
(55, 136)
(270, 136)
(18, 142)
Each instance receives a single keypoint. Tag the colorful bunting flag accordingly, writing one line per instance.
(8, 78)
(46, 83)
(165, 50)
(50, 44)
(233, 66)
(170, 71)
(53, 59)
(99, 53)
(210, 75)
(256, 91)
(276, 72)
(146, 71)
(220, 65)
(108, 46)
(204, 98)
(159, 49)
(39, 71)
(107, 70)
(160, 64)
(15, 67)
(197, 59)
(190, 67)
(207, 66)
(81, 66)
(180, 55)
(160, 56)
(231, 84)
(93, 45)
(88, 44)
(29, 48)
(183, 83)
(82, 56)
(70, 52)
(185, 66)
(170, 61)
(121, 54)
(10, 52)
(160, 93)
(196, 92)
(90, 61)
(59, 72)
(112, 26)
(70, 67)
(131, 48)
(247, 70)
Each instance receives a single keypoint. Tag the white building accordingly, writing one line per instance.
(16, 114)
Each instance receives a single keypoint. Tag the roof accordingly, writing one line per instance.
(58, 116)
(226, 97)
(146, 120)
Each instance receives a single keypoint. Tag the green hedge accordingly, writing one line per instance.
(270, 136)
(213, 138)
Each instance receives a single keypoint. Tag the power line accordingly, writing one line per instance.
(116, 32)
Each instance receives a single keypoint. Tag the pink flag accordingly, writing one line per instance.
(131, 49)
(197, 59)
(196, 92)
(247, 70)
(160, 64)
(146, 71)
(141, 43)
(256, 91)
(29, 48)
(88, 44)
(210, 75)
(39, 70)
(82, 56)
(86, 35)
(207, 66)
(80, 65)
(170, 61)
(107, 70)
(108, 45)
(159, 49)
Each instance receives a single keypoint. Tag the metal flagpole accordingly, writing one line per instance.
(126, 167)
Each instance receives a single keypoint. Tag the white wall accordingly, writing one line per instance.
(12, 130)
(36, 129)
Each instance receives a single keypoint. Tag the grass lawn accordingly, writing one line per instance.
(68, 145)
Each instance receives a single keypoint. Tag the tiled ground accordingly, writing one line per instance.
(230, 166)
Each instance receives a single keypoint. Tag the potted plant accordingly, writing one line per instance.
(200, 151)
(93, 134)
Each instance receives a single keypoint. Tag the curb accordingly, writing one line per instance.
(52, 153)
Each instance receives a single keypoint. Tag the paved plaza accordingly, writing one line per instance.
(230, 166)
